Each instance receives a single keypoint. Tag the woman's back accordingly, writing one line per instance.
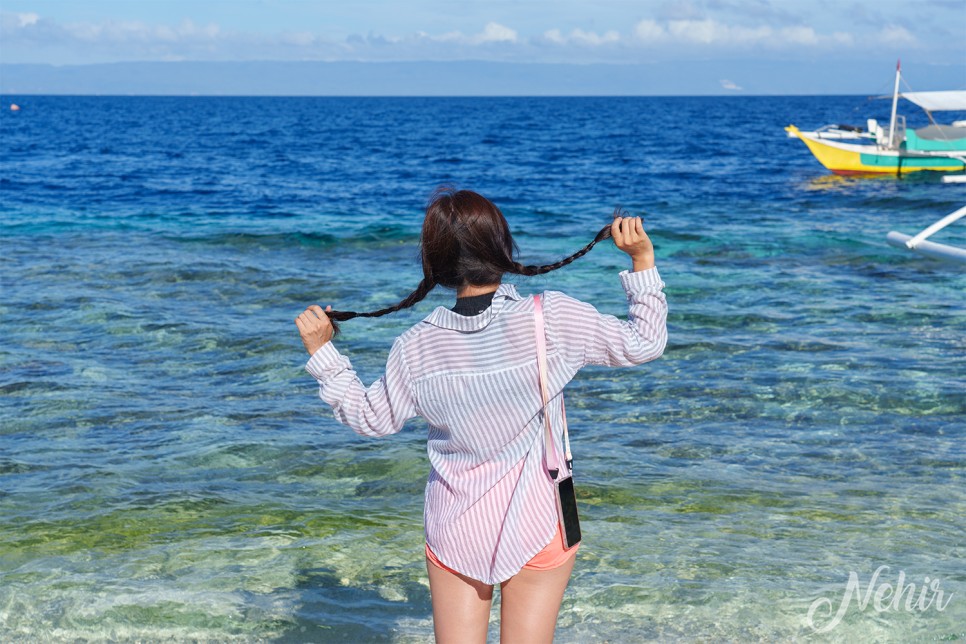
(491, 502)
(474, 379)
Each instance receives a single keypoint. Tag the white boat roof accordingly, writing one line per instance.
(938, 101)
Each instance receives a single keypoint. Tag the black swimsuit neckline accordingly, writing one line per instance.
(474, 304)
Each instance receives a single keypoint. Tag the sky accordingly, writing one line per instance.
(827, 33)
(561, 31)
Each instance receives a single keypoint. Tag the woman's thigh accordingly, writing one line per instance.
(530, 602)
(461, 606)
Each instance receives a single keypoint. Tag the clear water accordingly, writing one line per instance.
(167, 473)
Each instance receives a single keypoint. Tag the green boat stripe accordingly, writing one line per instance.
(909, 162)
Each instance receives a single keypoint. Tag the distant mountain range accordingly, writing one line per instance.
(471, 78)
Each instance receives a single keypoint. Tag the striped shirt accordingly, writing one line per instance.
(490, 504)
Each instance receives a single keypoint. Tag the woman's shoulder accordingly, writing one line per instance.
(549, 298)
(414, 332)
(560, 300)
(563, 311)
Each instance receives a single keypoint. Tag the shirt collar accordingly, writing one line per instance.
(447, 319)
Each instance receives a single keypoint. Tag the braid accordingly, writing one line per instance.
(431, 279)
(425, 286)
(604, 233)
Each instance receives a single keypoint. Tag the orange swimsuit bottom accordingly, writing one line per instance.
(552, 556)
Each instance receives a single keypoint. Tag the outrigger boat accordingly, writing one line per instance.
(850, 150)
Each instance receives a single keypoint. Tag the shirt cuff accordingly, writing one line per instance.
(325, 358)
(646, 280)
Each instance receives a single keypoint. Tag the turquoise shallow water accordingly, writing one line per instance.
(166, 472)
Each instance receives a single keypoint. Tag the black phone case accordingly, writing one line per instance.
(567, 511)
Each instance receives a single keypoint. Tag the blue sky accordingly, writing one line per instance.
(683, 46)
(562, 31)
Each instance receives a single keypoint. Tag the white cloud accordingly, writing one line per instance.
(492, 32)
(697, 31)
(843, 38)
(495, 32)
(799, 35)
(591, 37)
(554, 36)
(713, 33)
(730, 85)
(700, 32)
(649, 31)
(581, 37)
(27, 19)
(451, 36)
(896, 35)
(113, 32)
(685, 30)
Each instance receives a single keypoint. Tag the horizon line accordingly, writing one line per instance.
(730, 94)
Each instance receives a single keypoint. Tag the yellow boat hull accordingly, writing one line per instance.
(846, 158)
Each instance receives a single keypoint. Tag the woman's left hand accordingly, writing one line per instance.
(314, 327)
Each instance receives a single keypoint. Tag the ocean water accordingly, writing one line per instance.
(167, 472)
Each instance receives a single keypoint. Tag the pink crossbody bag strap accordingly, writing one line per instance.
(549, 446)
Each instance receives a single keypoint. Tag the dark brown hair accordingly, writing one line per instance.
(466, 240)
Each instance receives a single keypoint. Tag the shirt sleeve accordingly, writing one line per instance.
(377, 410)
(583, 336)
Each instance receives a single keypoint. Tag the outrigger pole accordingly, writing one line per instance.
(919, 244)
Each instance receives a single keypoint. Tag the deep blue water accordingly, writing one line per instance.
(166, 471)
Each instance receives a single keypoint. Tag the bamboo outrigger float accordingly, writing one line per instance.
(918, 243)
(897, 150)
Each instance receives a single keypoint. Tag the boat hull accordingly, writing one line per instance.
(847, 158)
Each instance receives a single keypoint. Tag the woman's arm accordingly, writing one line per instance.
(585, 336)
(377, 410)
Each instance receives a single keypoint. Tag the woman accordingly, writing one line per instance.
(490, 511)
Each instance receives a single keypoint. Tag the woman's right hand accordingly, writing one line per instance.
(629, 236)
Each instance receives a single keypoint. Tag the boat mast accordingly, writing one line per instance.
(895, 104)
